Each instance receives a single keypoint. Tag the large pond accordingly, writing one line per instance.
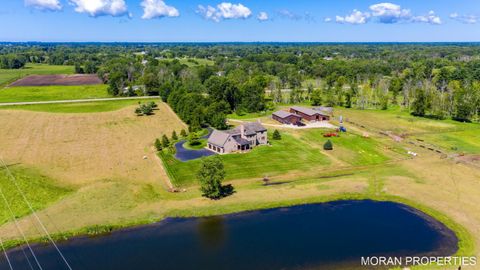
(319, 236)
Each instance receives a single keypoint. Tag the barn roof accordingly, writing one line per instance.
(284, 114)
(306, 111)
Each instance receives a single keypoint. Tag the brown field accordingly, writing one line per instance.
(81, 148)
(46, 80)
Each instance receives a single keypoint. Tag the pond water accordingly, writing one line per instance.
(318, 236)
(184, 154)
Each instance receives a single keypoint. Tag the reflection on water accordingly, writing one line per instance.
(212, 232)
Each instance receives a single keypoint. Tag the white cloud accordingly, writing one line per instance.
(327, 19)
(287, 14)
(389, 13)
(356, 17)
(430, 18)
(158, 9)
(223, 11)
(97, 8)
(467, 19)
(262, 16)
(51, 5)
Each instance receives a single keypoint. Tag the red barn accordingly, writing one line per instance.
(287, 118)
(309, 114)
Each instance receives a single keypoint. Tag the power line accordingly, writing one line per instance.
(6, 255)
(35, 214)
(21, 232)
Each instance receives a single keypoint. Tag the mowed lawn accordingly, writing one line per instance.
(467, 141)
(49, 93)
(350, 148)
(288, 154)
(10, 75)
(83, 107)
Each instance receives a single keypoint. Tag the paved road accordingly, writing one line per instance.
(74, 101)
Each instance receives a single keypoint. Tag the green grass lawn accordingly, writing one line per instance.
(10, 75)
(48, 93)
(244, 116)
(39, 190)
(288, 154)
(400, 121)
(351, 148)
(467, 141)
(84, 107)
(193, 62)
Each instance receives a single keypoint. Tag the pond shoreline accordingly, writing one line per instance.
(465, 241)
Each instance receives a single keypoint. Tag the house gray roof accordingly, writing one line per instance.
(306, 111)
(218, 138)
(284, 114)
(242, 141)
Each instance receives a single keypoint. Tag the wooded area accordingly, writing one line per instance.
(438, 80)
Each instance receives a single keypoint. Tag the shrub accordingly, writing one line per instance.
(193, 139)
(183, 133)
(276, 135)
(328, 145)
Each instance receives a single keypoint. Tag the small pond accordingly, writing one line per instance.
(184, 154)
(318, 236)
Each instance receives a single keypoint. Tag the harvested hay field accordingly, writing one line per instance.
(46, 80)
(81, 148)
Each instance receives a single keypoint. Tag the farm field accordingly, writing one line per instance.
(82, 107)
(48, 93)
(80, 148)
(192, 62)
(10, 75)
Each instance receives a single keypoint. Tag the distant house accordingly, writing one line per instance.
(287, 118)
(309, 115)
(241, 138)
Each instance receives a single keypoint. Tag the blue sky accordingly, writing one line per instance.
(246, 20)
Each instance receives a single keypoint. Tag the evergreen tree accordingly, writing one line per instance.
(174, 136)
(183, 133)
(276, 135)
(165, 141)
(328, 145)
(158, 145)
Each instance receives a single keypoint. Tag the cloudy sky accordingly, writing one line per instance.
(259, 20)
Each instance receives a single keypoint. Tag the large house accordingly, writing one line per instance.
(241, 138)
(296, 114)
